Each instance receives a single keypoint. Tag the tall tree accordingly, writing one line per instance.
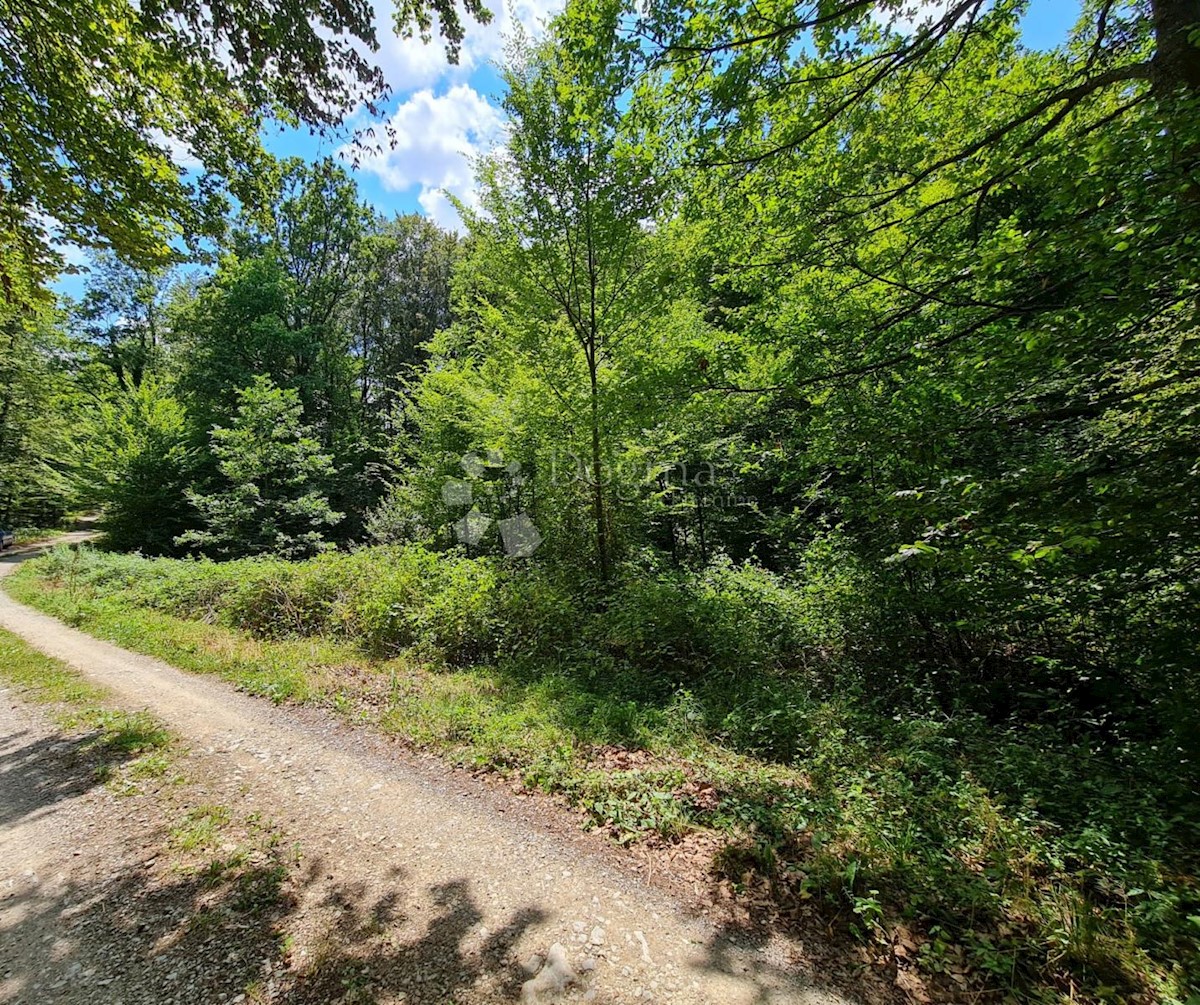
(122, 318)
(270, 499)
(317, 226)
(974, 267)
(142, 463)
(570, 203)
(274, 305)
(400, 301)
(37, 415)
(232, 329)
(317, 222)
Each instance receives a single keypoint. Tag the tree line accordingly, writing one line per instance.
(305, 329)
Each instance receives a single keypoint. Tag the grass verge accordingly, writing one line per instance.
(126, 748)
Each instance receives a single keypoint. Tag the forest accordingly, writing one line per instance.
(810, 399)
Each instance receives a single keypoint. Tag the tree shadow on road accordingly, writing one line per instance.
(134, 922)
(745, 954)
(368, 954)
(90, 917)
(39, 772)
(152, 936)
(131, 919)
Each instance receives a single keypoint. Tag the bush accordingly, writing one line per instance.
(145, 471)
(667, 622)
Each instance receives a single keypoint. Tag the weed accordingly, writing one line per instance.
(199, 828)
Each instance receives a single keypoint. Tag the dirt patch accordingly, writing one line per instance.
(94, 899)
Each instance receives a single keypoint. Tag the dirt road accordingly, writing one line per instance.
(447, 884)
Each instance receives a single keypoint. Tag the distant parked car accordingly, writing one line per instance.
(6, 538)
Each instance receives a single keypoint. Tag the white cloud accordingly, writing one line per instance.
(439, 134)
(436, 138)
(487, 42)
(408, 64)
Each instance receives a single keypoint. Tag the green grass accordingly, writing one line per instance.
(200, 828)
(1045, 866)
(191, 645)
(44, 680)
(34, 533)
(128, 747)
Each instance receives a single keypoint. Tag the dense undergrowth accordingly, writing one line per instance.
(1046, 858)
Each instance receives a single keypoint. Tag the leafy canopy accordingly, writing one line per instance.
(101, 101)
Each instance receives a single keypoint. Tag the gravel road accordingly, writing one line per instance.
(421, 875)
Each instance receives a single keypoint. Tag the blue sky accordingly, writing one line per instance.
(1048, 21)
(443, 115)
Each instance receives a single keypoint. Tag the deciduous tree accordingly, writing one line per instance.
(101, 101)
(569, 206)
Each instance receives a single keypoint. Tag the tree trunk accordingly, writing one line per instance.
(1177, 60)
(598, 473)
(1176, 81)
